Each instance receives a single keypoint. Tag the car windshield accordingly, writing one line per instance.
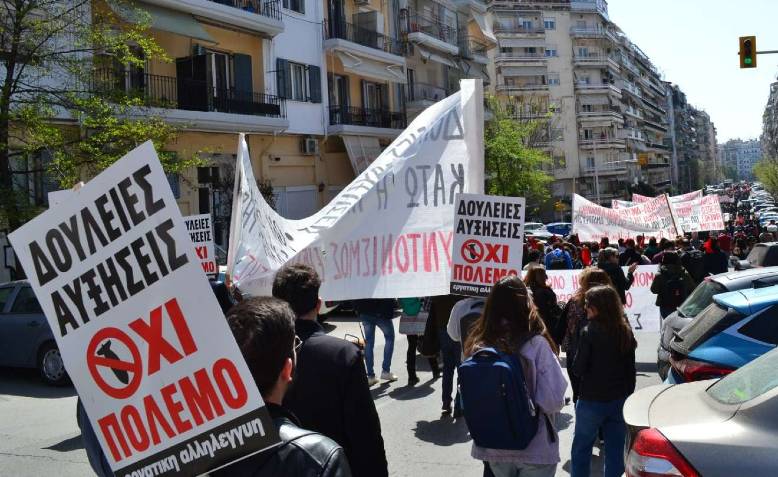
(531, 226)
(757, 255)
(701, 297)
(748, 382)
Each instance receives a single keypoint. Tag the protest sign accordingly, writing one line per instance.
(725, 199)
(698, 215)
(640, 307)
(386, 235)
(621, 204)
(200, 229)
(592, 222)
(639, 199)
(488, 242)
(141, 334)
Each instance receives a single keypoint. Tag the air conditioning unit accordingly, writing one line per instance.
(309, 146)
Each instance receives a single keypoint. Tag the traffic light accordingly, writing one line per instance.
(748, 52)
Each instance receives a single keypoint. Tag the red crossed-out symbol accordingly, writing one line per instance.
(105, 357)
(472, 251)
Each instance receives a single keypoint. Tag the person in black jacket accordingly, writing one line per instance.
(264, 330)
(545, 301)
(714, 260)
(605, 364)
(630, 255)
(609, 263)
(330, 393)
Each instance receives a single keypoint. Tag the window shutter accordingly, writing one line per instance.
(314, 83)
(283, 78)
(242, 68)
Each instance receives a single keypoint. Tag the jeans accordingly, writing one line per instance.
(515, 469)
(452, 358)
(591, 416)
(369, 322)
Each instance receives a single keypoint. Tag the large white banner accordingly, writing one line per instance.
(641, 309)
(639, 199)
(388, 234)
(699, 215)
(141, 334)
(592, 222)
(621, 204)
(488, 241)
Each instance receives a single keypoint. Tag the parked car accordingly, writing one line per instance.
(560, 228)
(26, 340)
(714, 428)
(735, 329)
(700, 298)
(533, 226)
(762, 255)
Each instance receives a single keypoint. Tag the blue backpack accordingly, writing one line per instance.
(497, 406)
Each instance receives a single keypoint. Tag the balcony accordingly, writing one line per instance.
(432, 32)
(606, 142)
(656, 164)
(365, 52)
(518, 30)
(596, 61)
(422, 95)
(633, 134)
(361, 36)
(632, 89)
(195, 103)
(655, 126)
(592, 33)
(607, 168)
(608, 115)
(257, 16)
(597, 88)
(633, 111)
(520, 58)
(473, 49)
(525, 87)
(590, 6)
(365, 122)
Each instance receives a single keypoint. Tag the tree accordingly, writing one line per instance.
(514, 159)
(766, 172)
(53, 101)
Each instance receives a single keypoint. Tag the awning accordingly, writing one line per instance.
(523, 70)
(522, 43)
(484, 26)
(370, 68)
(162, 19)
(442, 59)
(362, 151)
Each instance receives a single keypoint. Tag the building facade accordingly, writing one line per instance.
(608, 103)
(741, 157)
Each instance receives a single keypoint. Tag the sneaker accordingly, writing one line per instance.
(372, 381)
(387, 376)
(413, 380)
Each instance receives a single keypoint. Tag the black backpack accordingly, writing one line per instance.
(675, 291)
(694, 263)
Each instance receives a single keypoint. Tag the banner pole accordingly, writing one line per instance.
(672, 215)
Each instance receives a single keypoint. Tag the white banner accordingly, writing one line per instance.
(388, 234)
(639, 199)
(200, 229)
(641, 309)
(592, 222)
(621, 204)
(699, 215)
(488, 242)
(139, 329)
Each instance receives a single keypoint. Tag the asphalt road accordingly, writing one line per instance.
(39, 435)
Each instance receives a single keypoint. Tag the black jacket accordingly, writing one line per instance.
(715, 263)
(620, 282)
(628, 257)
(546, 302)
(329, 394)
(301, 453)
(606, 373)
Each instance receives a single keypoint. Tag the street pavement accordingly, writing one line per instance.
(39, 434)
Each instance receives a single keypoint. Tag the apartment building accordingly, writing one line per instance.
(741, 157)
(769, 140)
(609, 121)
(707, 145)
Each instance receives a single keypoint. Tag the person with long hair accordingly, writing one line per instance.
(545, 300)
(573, 318)
(605, 364)
(511, 324)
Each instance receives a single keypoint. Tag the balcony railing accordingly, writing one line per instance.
(433, 27)
(424, 92)
(590, 32)
(186, 94)
(518, 56)
(363, 36)
(522, 87)
(607, 167)
(270, 8)
(500, 27)
(470, 47)
(376, 118)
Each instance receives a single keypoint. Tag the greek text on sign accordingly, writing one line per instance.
(592, 222)
(139, 329)
(200, 229)
(488, 242)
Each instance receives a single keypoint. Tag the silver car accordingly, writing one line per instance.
(713, 428)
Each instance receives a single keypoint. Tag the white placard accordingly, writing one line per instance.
(488, 242)
(200, 229)
(141, 334)
(387, 234)
(639, 199)
(592, 222)
(699, 215)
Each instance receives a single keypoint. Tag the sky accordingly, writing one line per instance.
(694, 43)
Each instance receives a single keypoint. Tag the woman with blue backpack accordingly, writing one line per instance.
(509, 349)
(605, 365)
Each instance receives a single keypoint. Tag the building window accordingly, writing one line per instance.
(530, 51)
(549, 23)
(175, 184)
(295, 5)
(550, 52)
(590, 163)
(526, 24)
(586, 108)
(553, 79)
(299, 82)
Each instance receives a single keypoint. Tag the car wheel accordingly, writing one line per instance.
(663, 369)
(50, 365)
